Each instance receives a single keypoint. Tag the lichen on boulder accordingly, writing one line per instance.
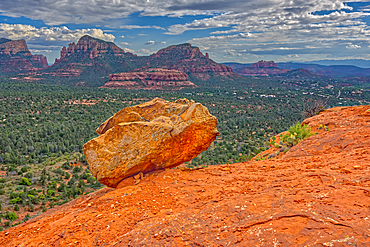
(147, 137)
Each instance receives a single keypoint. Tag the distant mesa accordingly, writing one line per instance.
(301, 73)
(150, 79)
(149, 137)
(16, 58)
(264, 64)
(261, 68)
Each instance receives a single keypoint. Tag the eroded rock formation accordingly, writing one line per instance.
(151, 136)
(94, 47)
(150, 79)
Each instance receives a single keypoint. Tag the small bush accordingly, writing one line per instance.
(11, 216)
(313, 108)
(25, 181)
(297, 133)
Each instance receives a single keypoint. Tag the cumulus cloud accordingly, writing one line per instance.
(124, 43)
(20, 31)
(352, 46)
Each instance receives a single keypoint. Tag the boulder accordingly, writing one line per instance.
(151, 136)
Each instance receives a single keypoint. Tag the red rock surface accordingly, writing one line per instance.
(151, 79)
(317, 194)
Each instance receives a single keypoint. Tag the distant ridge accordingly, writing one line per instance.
(336, 71)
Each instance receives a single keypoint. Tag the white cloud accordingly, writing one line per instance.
(124, 43)
(40, 51)
(129, 50)
(150, 42)
(352, 46)
(139, 27)
(224, 37)
(19, 31)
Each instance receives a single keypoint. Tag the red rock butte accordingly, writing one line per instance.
(15, 57)
(316, 194)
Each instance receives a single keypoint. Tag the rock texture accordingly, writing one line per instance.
(16, 58)
(151, 136)
(317, 194)
(150, 79)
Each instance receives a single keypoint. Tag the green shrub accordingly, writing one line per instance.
(16, 200)
(297, 133)
(11, 216)
(25, 181)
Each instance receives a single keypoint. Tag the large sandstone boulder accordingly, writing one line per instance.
(151, 136)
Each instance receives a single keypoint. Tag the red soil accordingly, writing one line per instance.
(317, 194)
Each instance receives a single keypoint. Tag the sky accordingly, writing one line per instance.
(244, 31)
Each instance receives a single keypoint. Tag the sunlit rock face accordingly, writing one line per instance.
(151, 136)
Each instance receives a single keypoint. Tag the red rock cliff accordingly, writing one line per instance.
(13, 47)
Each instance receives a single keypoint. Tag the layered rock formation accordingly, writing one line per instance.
(94, 47)
(151, 136)
(16, 58)
(317, 194)
(150, 79)
(261, 68)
